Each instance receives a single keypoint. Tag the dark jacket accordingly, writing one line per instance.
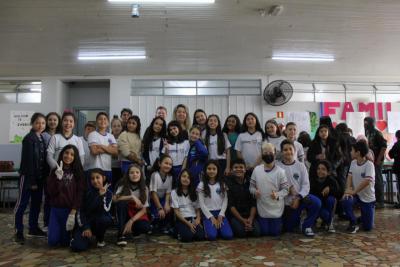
(239, 196)
(94, 206)
(376, 141)
(317, 186)
(67, 192)
(332, 155)
(197, 158)
(394, 153)
(33, 159)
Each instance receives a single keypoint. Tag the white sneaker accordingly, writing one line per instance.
(309, 232)
(331, 228)
(45, 229)
(101, 244)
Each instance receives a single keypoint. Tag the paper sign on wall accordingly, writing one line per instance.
(19, 125)
(302, 120)
(355, 121)
(393, 121)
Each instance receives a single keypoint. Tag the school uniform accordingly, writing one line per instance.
(269, 210)
(328, 202)
(276, 141)
(57, 143)
(127, 210)
(128, 143)
(213, 150)
(187, 209)
(162, 186)
(177, 152)
(33, 171)
(213, 206)
(250, 147)
(94, 215)
(239, 197)
(297, 177)
(196, 159)
(65, 195)
(101, 161)
(299, 151)
(365, 198)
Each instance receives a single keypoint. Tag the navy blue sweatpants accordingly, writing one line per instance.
(185, 234)
(291, 217)
(57, 233)
(211, 232)
(367, 211)
(270, 226)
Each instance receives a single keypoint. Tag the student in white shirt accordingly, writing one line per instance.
(248, 143)
(274, 136)
(213, 200)
(269, 185)
(187, 211)
(160, 194)
(298, 198)
(67, 137)
(291, 134)
(360, 188)
(217, 143)
(102, 146)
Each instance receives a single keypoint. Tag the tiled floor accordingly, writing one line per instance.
(380, 247)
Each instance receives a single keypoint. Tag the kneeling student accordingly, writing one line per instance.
(187, 211)
(269, 185)
(241, 204)
(299, 189)
(360, 188)
(94, 216)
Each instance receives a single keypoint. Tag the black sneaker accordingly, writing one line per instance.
(352, 229)
(36, 232)
(19, 238)
(122, 241)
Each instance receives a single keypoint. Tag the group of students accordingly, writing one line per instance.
(199, 181)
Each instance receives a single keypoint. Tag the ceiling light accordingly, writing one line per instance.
(35, 89)
(302, 58)
(164, 1)
(111, 55)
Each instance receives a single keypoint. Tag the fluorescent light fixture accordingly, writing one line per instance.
(36, 82)
(303, 58)
(35, 89)
(111, 55)
(164, 1)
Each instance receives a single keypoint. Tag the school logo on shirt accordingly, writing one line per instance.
(296, 176)
(363, 175)
(218, 190)
(110, 141)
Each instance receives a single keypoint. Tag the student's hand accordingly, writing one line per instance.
(274, 195)
(292, 191)
(87, 233)
(167, 208)
(161, 214)
(128, 227)
(325, 191)
(248, 226)
(69, 225)
(34, 187)
(103, 190)
(220, 220)
(59, 170)
(138, 203)
(192, 227)
(295, 203)
(258, 193)
(215, 222)
(227, 171)
(165, 142)
(347, 196)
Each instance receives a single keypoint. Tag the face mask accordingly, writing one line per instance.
(268, 158)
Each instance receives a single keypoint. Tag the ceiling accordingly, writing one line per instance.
(43, 37)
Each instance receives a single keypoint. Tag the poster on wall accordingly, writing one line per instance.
(355, 121)
(302, 120)
(393, 121)
(19, 125)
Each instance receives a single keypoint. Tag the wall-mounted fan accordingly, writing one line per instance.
(278, 92)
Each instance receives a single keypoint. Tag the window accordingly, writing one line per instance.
(12, 92)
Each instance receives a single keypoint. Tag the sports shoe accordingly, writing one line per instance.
(45, 229)
(19, 237)
(309, 232)
(331, 228)
(352, 229)
(122, 241)
(36, 232)
(101, 244)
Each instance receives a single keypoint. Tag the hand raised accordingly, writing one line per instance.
(59, 170)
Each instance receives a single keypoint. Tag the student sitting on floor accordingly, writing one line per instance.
(94, 216)
(131, 197)
(326, 189)
(213, 200)
(298, 198)
(241, 204)
(186, 207)
(360, 188)
(269, 185)
(160, 195)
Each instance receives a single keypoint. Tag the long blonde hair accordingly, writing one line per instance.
(187, 122)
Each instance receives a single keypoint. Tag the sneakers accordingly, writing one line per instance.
(19, 238)
(101, 244)
(309, 232)
(352, 229)
(331, 228)
(122, 241)
(36, 232)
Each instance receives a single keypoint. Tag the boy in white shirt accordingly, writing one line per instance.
(360, 188)
(299, 189)
(269, 185)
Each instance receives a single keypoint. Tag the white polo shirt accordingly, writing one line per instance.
(250, 147)
(102, 161)
(359, 174)
(159, 186)
(186, 206)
